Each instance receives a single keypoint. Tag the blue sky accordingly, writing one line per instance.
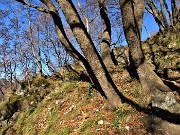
(148, 22)
(151, 26)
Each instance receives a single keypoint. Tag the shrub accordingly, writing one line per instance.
(73, 76)
(40, 81)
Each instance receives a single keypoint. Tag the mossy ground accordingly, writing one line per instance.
(74, 107)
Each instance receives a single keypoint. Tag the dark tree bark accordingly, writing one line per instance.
(132, 23)
(93, 62)
(160, 15)
(175, 13)
(90, 52)
(156, 14)
(106, 37)
(67, 44)
(166, 25)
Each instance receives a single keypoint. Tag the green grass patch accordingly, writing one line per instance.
(88, 124)
(121, 114)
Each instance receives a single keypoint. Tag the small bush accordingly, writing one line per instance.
(40, 81)
(24, 85)
(115, 123)
(71, 76)
(89, 93)
(129, 79)
(64, 131)
(122, 113)
(7, 108)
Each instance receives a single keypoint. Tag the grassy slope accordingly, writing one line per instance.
(76, 108)
(73, 107)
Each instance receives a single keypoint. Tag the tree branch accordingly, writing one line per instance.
(149, 10)
(33, 6)
(84, 15)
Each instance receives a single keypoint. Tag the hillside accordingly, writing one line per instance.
(163, 52)
(70, 105)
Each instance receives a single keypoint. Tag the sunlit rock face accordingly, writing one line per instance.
(121, 55)
(165, 102)
(163, 52)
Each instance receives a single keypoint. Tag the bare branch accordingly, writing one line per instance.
(33, 6)
(149, 10)
(84, 15)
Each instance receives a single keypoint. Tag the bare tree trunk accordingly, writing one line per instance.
(175, 12)
(163, 14)
(94, 65)
(67, 44)
(106, 37)
(150, 82)
(138, 16)
(157, 16)
(160, 16)
(40, 63)
(169, 13)
(90, 52)
(37, 59)
(84, 15)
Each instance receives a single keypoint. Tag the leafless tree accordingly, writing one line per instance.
(164, 20)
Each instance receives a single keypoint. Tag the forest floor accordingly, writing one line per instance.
(75, 108)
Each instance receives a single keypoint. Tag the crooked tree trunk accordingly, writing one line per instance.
(94, 65)
(90, 51)
(106, 37)
(163, 14)
(67, 44)
(37, 59)
(169, 13)
(150, 82)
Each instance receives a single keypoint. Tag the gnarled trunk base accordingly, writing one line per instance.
(150, 82)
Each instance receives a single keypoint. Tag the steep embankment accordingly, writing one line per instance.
(163, 51)
(72, 107)
(62, 105)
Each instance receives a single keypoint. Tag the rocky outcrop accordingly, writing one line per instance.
(164, 52)
(161, 52)
(121, 55)
(165, 101)
(7, 109)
